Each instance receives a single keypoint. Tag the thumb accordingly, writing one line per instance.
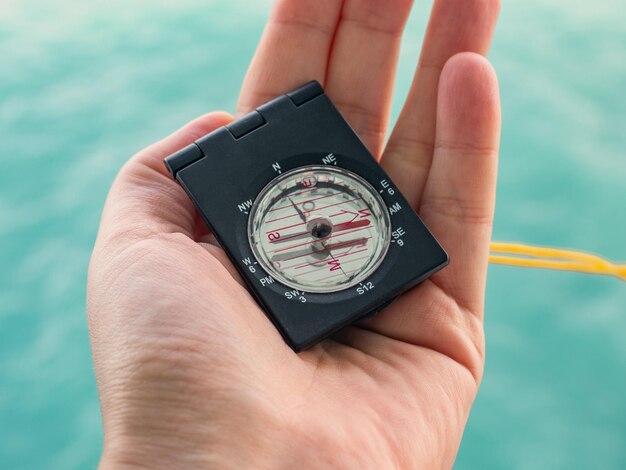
(144, 200)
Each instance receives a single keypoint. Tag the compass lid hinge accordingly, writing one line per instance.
(184, 157)
(306, 93)
(246, 124)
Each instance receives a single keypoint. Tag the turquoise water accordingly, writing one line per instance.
(83, 85)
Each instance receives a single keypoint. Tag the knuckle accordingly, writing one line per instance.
(418, 151)
(312, 15)
(467, 149)
(378, 17)
(367, 124)
(464, 211)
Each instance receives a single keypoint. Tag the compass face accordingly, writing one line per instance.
(319, 229)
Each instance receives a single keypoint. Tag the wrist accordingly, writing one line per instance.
(250, 438)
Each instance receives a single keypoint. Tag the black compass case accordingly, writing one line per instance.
(224, 171)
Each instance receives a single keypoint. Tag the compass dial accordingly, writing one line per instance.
(319, 229)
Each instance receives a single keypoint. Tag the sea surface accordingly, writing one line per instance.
(83, 85)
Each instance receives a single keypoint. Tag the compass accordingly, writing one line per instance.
(318, 231)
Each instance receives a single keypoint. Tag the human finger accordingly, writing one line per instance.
(144, 200)
(362, 65)
(294, 49)
(445, 313)
(455, 26)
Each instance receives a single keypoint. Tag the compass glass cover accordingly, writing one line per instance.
(319, 229)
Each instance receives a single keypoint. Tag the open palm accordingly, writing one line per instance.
(189, 369)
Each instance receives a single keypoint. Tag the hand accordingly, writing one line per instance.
(189, 369)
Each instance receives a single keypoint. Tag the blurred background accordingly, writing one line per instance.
(83, 85)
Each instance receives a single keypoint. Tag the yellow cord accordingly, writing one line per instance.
(517, 254)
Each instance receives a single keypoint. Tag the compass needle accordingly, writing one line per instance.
(300, 213)
(337, 262)
(335, 229)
